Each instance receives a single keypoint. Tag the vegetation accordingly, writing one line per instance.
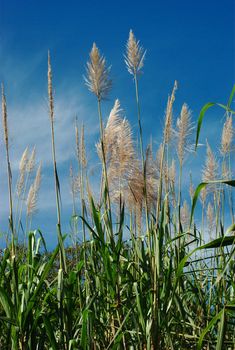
(148, 274)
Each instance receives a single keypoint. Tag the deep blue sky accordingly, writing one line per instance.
(190, 41)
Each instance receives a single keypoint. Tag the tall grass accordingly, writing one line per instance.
(148, 274)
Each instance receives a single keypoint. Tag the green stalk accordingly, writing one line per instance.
(139, 120)
(56, 178)
(9, 174)
(179, 207)
(108, 207)
(230, 191)
(142, 158)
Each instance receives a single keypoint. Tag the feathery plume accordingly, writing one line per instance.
(22, 169)
(77, 141)
(83, 149)
(123, 167)
(210, 170)
(183, 132)
(210, 217)
(24, 160)
(118, 144)
(74, 182)
(209, 173)
(4, 118)
(227, 136)
(97, 80)
(225, 171)
(20, 184)
(159, 154)
(135, 55)
(31, 161)
(171, 172)
(32, 197)
(118, 149)
(168, 117)
(37, 181)
(50, 92)
(152, 180)
(31, 201)
(191, 188)
(184, 215)
(203, 195)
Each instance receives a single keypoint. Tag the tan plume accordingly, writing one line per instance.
(22, 169)
(97, 78)
(227, 136)
(50, 92)
(31, 161)
(210, 170)
(183, 132)
(169, 114)
(4, 118)
(32, 197)
(135, 55)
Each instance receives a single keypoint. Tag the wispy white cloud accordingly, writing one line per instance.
(29, 125)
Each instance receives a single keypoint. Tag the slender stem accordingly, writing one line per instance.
(57, 186)
(142, 159)
(139, 120)
(229, 189)
(55, 174)
(179, 207)
(104, 164)
(9, 174)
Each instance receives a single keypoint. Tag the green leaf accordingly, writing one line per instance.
(200, 119)
(84, 334)
(209, 105)
(139, 307)
(50, 332)
(221, 332)
(6, 303)
(33, 299)
(231, 97)
(203, 185)
(219, 242)
(195, 198)
(206, 330)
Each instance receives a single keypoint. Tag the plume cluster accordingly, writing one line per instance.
(123, 166)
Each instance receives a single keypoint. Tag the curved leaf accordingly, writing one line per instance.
(206, 330)
(200, 119)
(203, 185)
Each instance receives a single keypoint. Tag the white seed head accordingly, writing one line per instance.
(97, 78)
(135, 55)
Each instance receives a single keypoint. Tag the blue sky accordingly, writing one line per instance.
(190, 41)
